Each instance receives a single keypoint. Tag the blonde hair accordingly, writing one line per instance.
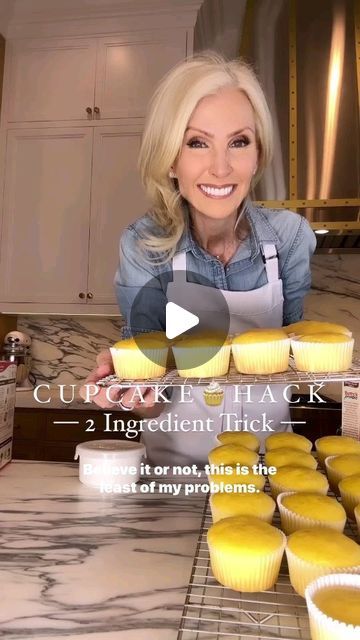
(170, 110)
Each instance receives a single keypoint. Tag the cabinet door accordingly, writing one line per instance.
(117, 200)
(50, 80)
(129, 67)
(44, 242)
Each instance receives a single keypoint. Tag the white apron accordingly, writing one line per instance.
(261, 307)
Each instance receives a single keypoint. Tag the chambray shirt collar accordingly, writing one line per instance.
(261, 232)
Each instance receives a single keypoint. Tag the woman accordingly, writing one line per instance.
(207, 141)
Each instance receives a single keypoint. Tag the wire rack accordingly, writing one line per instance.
(292, 375)
(213, 612)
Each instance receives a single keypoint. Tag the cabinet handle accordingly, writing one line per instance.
(90, 295)
(88, 111)
(97, 110)
(82, 295)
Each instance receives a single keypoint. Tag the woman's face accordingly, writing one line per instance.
(219, 155)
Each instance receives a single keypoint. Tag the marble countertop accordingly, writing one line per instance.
(80, 564)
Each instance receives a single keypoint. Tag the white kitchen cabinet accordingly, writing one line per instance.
(80, 79)
(50, 79)
(68, 195)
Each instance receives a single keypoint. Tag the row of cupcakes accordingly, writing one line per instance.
(316, 347)
(246, 551)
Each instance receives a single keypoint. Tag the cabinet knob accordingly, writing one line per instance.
(88, 110)
(96, 110)
(90, 296)
(82, 295)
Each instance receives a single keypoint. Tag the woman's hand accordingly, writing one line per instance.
(109, 399)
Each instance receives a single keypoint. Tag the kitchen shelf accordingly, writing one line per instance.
(171, 378)
(213, 612)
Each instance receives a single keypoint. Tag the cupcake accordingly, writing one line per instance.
(298, 479)
(232, 454)
(235, 480)
(213, 394)
(312, 553)
(142, 357)
(245, 553)
(243, 438)
(333, 604)
(335, 446)
(339, 467)
(349, 489)
(286, 457)
(225, 505)
(211, 349)
(322, 352)
(309, 327)
(261, 351)
(289, 440)
(357, 516)
(307, 510)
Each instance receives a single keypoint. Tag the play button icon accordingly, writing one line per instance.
(184, 305)
(178, 320)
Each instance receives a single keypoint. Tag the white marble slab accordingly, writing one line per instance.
(76, 563)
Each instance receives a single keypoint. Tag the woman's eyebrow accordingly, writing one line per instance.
(210, 135)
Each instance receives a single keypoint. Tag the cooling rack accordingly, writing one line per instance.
(292, 375)
(213, 612)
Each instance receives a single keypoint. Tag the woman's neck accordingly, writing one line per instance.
(217, 237)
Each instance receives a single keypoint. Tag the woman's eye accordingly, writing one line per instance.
(195, 143)
(243, 141)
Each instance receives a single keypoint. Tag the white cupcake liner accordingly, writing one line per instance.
(322, 626)
(139, 364)
(218, 514)
(291, 521)
(301, 572)
(245, 572)
(350, 500)
(217, 365)
(321, 357)
(262, 358)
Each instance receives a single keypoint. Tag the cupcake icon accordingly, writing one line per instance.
(213, 394)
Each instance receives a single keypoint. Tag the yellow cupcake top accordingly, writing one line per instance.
(238, 478)
(336, 445)
(317, 546)
(244, 438)
(324, 338)
(340, 603)
(299, 479)
(151, 340)
(203, 339)
(289, 440)
(232, 454)
(313, 326)
(286, 456)
(256, 336)
(348, 464)
(314, 506)
(252, 535)
(350, 484)
(250, 504)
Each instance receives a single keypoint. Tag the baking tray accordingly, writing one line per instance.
(213, 612)
(171, 378)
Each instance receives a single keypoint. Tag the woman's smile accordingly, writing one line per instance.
(211, 191)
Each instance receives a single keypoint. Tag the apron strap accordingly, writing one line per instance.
(270, 258)
(179, 267)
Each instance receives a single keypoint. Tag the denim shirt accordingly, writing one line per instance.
(289, 232)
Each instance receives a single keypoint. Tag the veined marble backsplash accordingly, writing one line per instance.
(64, 348)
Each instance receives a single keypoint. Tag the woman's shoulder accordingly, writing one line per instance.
(143, 226)
(282, 224)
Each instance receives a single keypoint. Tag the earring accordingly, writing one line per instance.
(172, 174)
